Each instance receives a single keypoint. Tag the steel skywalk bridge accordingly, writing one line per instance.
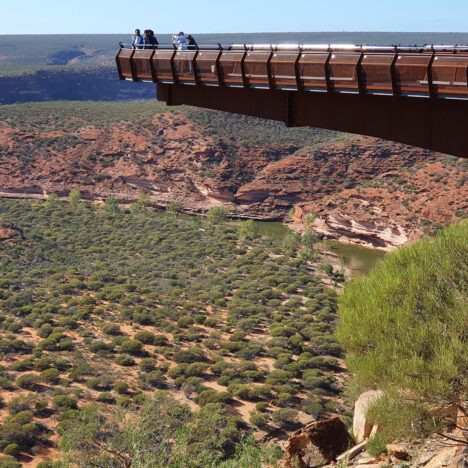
(413, 95)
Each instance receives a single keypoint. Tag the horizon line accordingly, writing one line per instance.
(255, 32)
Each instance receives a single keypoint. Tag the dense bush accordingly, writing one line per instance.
(173, 301)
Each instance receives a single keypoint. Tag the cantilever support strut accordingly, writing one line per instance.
(430, 81)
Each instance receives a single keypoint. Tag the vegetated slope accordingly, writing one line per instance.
(99, 305)
(361, 189)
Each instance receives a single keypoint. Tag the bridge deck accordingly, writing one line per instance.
(421, 72)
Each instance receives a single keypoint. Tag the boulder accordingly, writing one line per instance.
(361, 426)
(316, 444)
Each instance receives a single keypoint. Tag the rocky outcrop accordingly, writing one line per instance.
(362, 428)
(373, 232)
(450, 457)
(316, 444)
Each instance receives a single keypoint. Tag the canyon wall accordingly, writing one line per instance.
(363, 190)
(99, 84)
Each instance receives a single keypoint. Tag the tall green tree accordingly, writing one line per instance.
(74, 198)
(405, 330)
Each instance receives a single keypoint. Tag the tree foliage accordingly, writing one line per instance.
(405, 328)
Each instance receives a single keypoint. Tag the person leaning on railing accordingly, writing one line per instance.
(150, 39)
(137, 40)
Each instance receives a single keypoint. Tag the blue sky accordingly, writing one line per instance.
(208, 16)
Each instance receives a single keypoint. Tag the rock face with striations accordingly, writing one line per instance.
(365, 191)
(316, 444)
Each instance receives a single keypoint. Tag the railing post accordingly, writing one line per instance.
(196, 76)
(175, 78)
(430, 84)
(328, 81)
(154, 75)
(132, 66)
(393, 75)
(297, 71)
(242, 65)
(467, 78)
(360, 75)
(269, 73)
(117, 61)
(218, 66)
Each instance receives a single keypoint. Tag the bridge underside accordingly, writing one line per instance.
(434, 124)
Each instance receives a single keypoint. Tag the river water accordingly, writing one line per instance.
(358, 260)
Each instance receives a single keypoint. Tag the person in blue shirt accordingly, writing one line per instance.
(137, 40)
(180, 41)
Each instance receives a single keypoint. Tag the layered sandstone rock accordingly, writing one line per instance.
(316, 444)
(365, 191)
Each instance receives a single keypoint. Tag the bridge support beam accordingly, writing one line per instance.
(435, 124)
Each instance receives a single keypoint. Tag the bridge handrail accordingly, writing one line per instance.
(310, 47)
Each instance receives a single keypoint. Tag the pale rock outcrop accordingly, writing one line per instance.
(361, 427)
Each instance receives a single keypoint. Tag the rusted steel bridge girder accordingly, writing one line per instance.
(413, 95)
(435, 124)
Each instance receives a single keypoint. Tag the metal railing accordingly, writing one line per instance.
(434, 71)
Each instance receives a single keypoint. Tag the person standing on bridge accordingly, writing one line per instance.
(137, 40)
(150, 40)
(180, 41)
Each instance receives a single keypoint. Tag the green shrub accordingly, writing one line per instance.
(23, 417)
(376, 446)
(12, 450)
(27, 381)
(111, 329)
(18, 404)
(124, 360)
(189, 356)
(258, 419)
(154, 379)
(50, 376)
(217, 215)
(7, 461)
(121, 388)
(261, 406)
(284, 416)
(145, 337)
(133, 347)
(64, 402)
(147, 364)
(100, 346)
